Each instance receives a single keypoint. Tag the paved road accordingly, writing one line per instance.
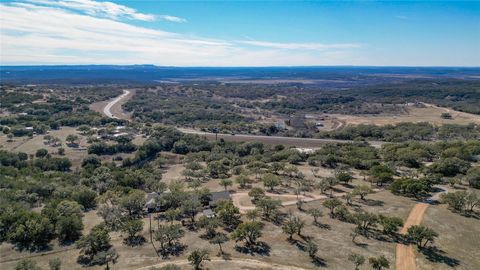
(290, 141)
(109, 106)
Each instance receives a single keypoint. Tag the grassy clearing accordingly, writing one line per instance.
(458, 241)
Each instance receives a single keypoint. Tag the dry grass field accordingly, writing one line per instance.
(458, 244)
(414, 114)
(31, 145)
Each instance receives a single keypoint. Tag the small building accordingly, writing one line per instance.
(208, 213)
(123, 134)
(280, 126)
(219, 196)
(151, 204)
(297, 121)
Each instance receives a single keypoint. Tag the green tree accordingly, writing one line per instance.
(379, 263)
(293, 225)
(289, 228)
(209, 224)
(85, 197)
(133, 203)
(390, 224)
(365, 220)
(69, 228)
(348, 197)
(172, 214)
(72, 139)
(27, 264)
(191, 207)
(450, 167)
(197, 256)
(34, 232)
(473, 177)
(381, 174)
(362, 191)
(92, 244)
(55, 264)
(217, 169)
(226, 183)
(69, 208)
(269, 207)
(315, 213)
(132, 228)
(421, 235)
(344, 176)
(169, 234)
(219, 239)
(331, 182)
(242, 180)
(256, 167)
(357, 260)
(107, 257)
(248, 231)
(253, 214)
(472, 199)
(455, 200)
(41, 153)
(256, 193)
(228, 214)
(271, 181)
(332, 204)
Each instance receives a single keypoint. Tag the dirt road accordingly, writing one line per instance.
(237, 199)
(231, 263)
(405, 254)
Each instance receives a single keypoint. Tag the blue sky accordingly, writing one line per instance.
(240, 33)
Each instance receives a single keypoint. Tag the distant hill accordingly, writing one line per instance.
(151, 74)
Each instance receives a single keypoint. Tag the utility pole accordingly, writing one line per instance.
(151, 236)
(215, 130)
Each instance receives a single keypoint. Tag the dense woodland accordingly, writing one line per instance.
(50, 107)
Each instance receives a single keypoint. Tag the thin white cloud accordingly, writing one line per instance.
(95, 8)
(172, 18)
(300, 46)
(40, 34)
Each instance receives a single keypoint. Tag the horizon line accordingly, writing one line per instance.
(279, 66)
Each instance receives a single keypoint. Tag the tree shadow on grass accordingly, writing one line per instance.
(173, 250)
(371, 202)
(434, 254)
(323, 226)
(260, 248)
(362, 245)
(319, 262)
(471, 214)
(347, 185)
(134, 241)
(33, 248)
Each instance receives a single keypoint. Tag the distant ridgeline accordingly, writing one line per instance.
(152, 74)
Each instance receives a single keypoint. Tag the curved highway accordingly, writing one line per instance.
(107, 108)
